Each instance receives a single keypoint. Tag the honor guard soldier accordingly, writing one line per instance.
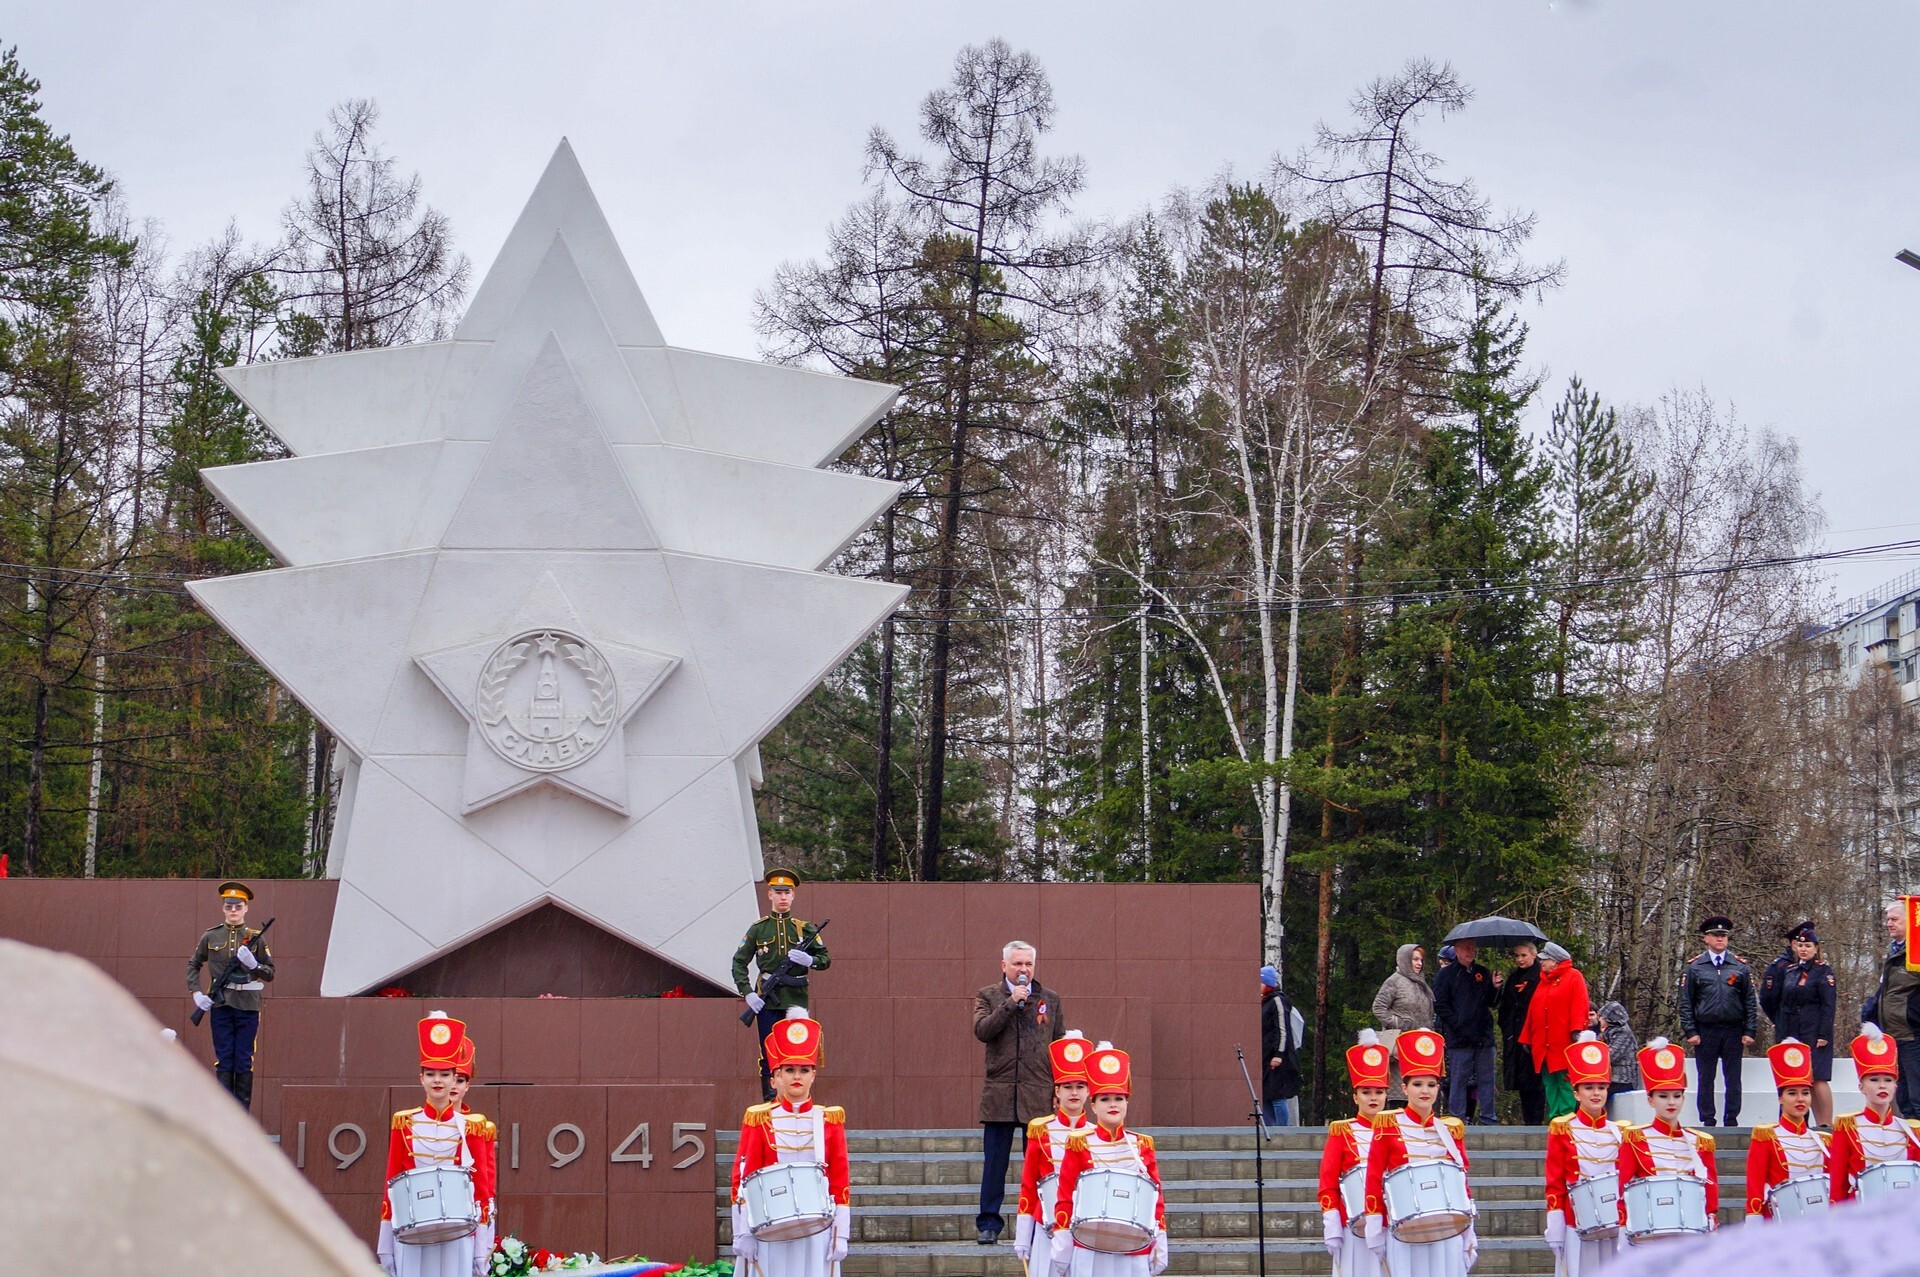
(792, 1160)
(1343, 1163)
(1876, 1135)
(438, 1136)
(233, 1004)
(1109, 1146)
(1047, 1145)
(1584, 1146)
(1414, 1135)
(1663, 1146)
(1719, 1015)
(778, 942)
(1787, 1172)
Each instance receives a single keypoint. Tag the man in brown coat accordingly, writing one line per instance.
(1017, 1019)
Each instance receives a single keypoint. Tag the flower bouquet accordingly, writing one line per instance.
(514, 1258)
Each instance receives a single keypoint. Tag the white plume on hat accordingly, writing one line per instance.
(1587, 1035)
(1654, 1044)
(1103, 1045)
(1789, 1042)
(1369, 1038)
(437, 1015)
(1074, 1033)
(797, 1013)
(1871, 1031)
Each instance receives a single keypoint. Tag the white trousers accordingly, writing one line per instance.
(1584, 1256)
(1096, 1263)
(802, 1257)
(1040, 1258)
(442, 1259)
(1427, 1259)
(1355, 1259)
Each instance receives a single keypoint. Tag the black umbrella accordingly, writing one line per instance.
(1499, 932)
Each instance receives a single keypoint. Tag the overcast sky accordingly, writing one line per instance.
(1727, 184)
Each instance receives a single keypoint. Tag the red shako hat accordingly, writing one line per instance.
(1110, 1072)
(1367, 1062)
(1873, 1052)
(1069, 1054)
(795, 1040)
(1792, 1062)
(1589, 1060)
(443, 1041)
(1422, 1052)
(1663, 1066)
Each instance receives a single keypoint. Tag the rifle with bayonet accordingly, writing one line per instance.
(789, 974)
(227, 973)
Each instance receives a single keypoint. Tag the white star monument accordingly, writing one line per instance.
(549, 583)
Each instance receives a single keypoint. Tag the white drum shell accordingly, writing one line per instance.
(1427, 1201)
(1806, 1195)
(1596, 1206)
(433, 1204)
(1049, 1190)
(1666, 1205)
(1353, 1196)
(1886, 1178)
(787, 1201)
(1115, 1212)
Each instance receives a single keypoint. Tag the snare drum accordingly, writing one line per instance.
(1115, 1211)
(787, 1201)
(1666, 1205)
(1353, 1195)
(1806, 1195)
(1596, 1206)
(433, 1204)
(1049, 1200)
(1427, 1201)
(1886, 1178)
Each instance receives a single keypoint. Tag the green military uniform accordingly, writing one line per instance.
(765, 946)
(234, 1007)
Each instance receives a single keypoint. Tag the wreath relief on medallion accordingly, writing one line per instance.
(546, 700)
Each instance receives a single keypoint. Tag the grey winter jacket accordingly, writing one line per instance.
(1404, 1001)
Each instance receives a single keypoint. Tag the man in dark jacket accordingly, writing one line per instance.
(1896, 1009)
(1463, 1012)
(1515, 997)
(1719, 1015)
(1017, 1019)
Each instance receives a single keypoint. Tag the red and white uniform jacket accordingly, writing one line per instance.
(1347, 1143)
(1102, 1150)
(1579, 1147)
(781, 1132)
(1781, 1151)
(1046, 1148)
(1401, 1137)
(444, 1137)
(1861, 1140)
(1661, 1149)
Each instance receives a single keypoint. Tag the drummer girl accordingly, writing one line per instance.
(438, 1134)
(1047, 1144)
(1108, 1146)
(1876, 1134)
(792, 1128)
(1663, 1146)
(1347, 1143)
(1787, 1149)
(1583, 1145)
(482, 1136)
(1414, 1134)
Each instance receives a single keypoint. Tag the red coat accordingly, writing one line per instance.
(757, 1148)
(1081, 1158)
(1557, 1014)
(1389, 1152)
(1768, 1164)
(1563, 1159)
(1039, 1161)
(1341, 1155)
(483, 1144)
(1848, 1157)
(1636, 1161)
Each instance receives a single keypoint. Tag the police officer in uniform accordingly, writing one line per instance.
(768, 944)
(234, 1011)
(1719, 1015)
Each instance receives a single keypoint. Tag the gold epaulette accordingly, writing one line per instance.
(1761, 1131)
(758, 1115)
(1458, 1127)
(1386, 1121)
(834, 1113)
(1706, 1140)
(1847, 1120)
(477, 1124)
(404, 1119)
(1037, 1128)
(1338, 1126)
(1146, 1142)
(1076, 1143)
(1562, 1124)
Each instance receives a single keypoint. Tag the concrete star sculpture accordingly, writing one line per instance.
(549, 582)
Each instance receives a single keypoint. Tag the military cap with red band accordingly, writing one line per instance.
(1367, 1062)
(1589, 1060)
(443, 1042)
(1792, 1062)
(1873, 1052)
(1663, 1066)
(1422, 1052)
(795, 1040)
(1110, 1072)
(1068, 1054)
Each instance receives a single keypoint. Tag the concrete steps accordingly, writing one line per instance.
(916, 1191)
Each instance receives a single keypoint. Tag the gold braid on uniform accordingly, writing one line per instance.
(758, 1115)
(834, 1114)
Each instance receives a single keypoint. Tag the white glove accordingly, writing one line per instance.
(1023, 1236)
(1556, 1233)
(842, 1233)
(1376, 1235)
(1062, 1250)
(1158, 1264)
(1473, 1246)
(1755, 1219)
(800, 957)
(383, 1249)
(745, 1244)
(1333, 1231)
(202, 1001)
(483, 1251)
(756, 1003)
(246, 958)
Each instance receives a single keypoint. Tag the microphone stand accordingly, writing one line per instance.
(1259, 1120)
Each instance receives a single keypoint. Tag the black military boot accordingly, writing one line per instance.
(243, 1089)
(225, 1078)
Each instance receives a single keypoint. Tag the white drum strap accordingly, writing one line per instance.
(819, 1135)
(1453, 1150)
